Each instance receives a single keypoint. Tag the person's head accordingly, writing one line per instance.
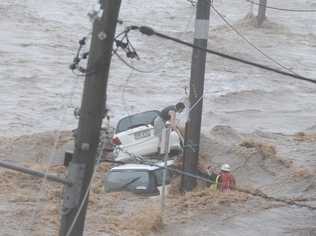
(180, 107)
(225, 167)
(210, 169)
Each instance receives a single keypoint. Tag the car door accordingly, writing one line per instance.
(159, 177)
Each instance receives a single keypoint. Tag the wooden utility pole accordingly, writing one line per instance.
(193, 125)
(92, 111)
(261, 12)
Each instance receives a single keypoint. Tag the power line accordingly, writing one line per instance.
(249, 42)
(123, 99)
(162, 64)
(149, 31)
(127, 46)
(133, 67)
(156, 68)
(282, 9)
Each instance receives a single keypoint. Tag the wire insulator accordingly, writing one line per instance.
(76, 60)
(132, 27)
(73, 66)
(85, 55)
(147, 30)
(131, 54)
(82, 70)
(82, 41)
(121, 44)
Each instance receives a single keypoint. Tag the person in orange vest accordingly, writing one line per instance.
(225, 180)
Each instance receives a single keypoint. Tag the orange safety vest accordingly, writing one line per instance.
(226, 182)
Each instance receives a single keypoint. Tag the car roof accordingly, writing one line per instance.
(142, 166)
(125, 122)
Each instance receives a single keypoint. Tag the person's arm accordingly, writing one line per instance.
(173, 123)
(219, 182)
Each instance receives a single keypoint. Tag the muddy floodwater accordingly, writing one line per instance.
(282, 167)
(38, 43)
(263, 124)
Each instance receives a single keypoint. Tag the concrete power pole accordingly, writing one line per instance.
(92, 111)
(193, 126)
(261, 12)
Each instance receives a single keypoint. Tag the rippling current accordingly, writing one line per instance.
(39, 39)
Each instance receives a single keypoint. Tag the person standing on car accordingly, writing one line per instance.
(169, 113)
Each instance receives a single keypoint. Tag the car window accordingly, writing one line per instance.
(159, 176)
(143, 118)
(128, 180)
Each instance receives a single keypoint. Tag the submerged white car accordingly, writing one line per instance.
(138, 178)
(135, 134)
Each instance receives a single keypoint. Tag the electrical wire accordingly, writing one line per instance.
(160, 65)
(126, 108)
(282, 9)
(142, 71)
(131, 66)
(128, 48)
(249, 42)
(149, 31)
